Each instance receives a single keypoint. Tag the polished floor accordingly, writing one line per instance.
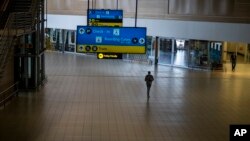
(86, 99)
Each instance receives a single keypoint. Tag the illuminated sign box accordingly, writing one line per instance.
(111, 39)
(109, 56)
(102, 17)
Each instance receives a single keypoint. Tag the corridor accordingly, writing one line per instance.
(86, 99)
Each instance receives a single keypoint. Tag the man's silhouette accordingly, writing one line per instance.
(233, 61)
(149, 79)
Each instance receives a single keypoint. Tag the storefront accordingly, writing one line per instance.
(242, 50)
(189, 53)
(60, 39)
(197, 54)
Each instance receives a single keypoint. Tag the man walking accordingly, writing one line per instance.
(149, 79)
(233, 61)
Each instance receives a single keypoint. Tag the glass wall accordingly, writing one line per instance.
(242, 51)
(170, 51)
(198, 57)
(147, 57)
(165, 51)
(173, 52)
(60, 39)
(215, 51)
(181, 51)
(150, 49)
(190, 53)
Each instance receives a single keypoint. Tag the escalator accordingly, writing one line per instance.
(21, 45)
(10, 6)
(21, 41)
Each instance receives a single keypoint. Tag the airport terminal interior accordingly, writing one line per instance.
(52, 88)
(85, 99)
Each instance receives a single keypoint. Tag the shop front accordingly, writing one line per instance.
(196, 54)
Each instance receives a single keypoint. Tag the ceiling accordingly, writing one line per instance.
(208, 10)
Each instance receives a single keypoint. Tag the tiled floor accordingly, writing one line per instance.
(86, 99)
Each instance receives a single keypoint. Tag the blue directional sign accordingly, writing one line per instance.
(105, 17)
(105, 14)
(111, 39)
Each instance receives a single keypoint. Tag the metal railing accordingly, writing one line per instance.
(139, 58)
(6, 40)
(8, 94)
(18, 23)
(4, 5)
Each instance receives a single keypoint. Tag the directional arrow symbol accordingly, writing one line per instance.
(135, 40)
(81, 31)
(141, 40)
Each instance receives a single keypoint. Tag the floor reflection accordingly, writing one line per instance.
(90, 99)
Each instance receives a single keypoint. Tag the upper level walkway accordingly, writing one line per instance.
(86, 99)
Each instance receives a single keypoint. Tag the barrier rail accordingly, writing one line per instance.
(8, 93)
(139, 58)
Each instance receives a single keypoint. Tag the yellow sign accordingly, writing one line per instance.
(109, 56)
(110, 49)
(100, 56)
(105, 24)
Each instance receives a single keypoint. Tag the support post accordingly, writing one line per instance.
(88, 14)
(43, 47)
(136, 9)
(172, 51)
(117, 4)
(156, 50)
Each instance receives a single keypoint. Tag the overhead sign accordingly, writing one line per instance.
(109, 56)
(111, 39)
(102, 17)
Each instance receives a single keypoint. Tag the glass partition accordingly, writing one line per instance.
(60, 39)
(181, 50)
(165, 51)
(198, 56)
(215, 51)
(241, 50)
(149, 55)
